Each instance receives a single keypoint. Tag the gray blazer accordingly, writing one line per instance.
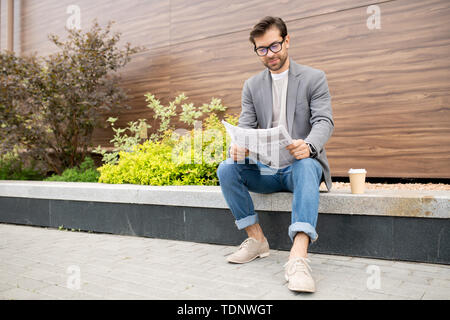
(308, 108)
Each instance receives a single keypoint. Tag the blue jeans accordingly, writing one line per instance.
(302, 178)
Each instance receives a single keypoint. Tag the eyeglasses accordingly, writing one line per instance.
(274, 47)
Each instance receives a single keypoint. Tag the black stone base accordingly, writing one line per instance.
(394, 238)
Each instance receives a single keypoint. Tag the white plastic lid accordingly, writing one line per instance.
(357, 171)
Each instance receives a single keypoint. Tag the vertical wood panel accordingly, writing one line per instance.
(2, 25)
(390, 87)
(208, 18)
(147, 72)
(141, 22)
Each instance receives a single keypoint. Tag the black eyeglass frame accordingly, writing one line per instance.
(268, 48)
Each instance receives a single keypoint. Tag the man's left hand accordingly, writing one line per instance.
(299, 149)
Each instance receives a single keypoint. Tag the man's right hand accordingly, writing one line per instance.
(238, 153)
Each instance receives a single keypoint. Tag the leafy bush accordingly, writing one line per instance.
(188, 115)
(12, 168)
(20, 122)
(121, 140)
(124, 141)
(170, 157)
(85, 172)
(50, 106)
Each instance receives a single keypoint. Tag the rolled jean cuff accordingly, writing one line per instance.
(303, 227)
(247, 221)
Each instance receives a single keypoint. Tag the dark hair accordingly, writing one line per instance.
(264, 24)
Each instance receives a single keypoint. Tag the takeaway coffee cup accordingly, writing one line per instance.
(357, 180)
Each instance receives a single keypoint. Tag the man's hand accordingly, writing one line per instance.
(237, 153)
(299, 149)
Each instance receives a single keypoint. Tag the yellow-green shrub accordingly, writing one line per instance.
(175, 159)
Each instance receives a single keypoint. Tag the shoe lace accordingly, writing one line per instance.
(245, 243)
(298, 264)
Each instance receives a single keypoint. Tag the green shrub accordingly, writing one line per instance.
(50, 106)
(12, 168)
(86, 172)
(169, 156)
(174, 159)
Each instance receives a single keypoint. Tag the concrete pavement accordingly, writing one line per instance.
(41, 263)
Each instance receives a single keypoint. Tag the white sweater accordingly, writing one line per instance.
(279, 91)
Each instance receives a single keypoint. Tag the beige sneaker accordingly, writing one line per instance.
(298, 274)
(249, 250)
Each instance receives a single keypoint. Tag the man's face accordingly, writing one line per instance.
(273, 61)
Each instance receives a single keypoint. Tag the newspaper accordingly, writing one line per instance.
(267, 146)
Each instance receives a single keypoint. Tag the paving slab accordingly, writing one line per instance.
(80, 265)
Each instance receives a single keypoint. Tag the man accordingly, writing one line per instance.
(297, 97)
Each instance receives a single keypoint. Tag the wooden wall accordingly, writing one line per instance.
(390, 86)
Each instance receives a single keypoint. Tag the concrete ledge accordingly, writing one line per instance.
(401, 203)
(410, 226)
